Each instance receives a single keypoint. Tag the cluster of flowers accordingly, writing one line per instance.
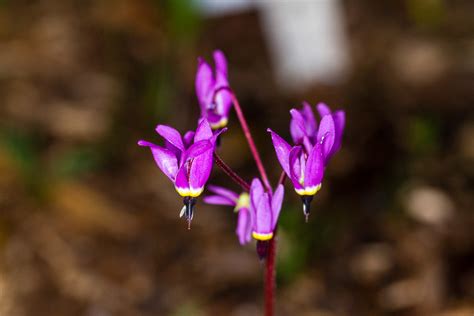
(187, 160)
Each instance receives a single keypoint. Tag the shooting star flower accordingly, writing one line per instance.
(215, 102)
(241, 204)
(304, 163)
(186, 161)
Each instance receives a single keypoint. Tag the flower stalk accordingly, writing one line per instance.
(228, 171)
(270, 276)
(248, 136)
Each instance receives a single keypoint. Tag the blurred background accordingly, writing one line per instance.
(89, 225)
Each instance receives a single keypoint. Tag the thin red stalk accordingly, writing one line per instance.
(248, 136)
(270, 273)
(234, 176)
(270, 277)
(282, 178)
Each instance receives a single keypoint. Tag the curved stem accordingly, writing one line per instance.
(270, 277)
(248, 136)
(227, 170)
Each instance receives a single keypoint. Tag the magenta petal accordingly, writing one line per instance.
(282, 149)
(297, 126)
(339, 118)
(177, 152)
(203, 131)
(164, 158)
(218, 200)
(221, 68)
(223, 102)
(200, 171)
(171, 135)
(216, 134)
(197, 149)
(295, 166)
(182, 178)
(326, 133)
(256, 191)
(277, 201)
(223, 192)
(188, 138)
(307, 144)
(263, 220)
(244, 226)
(323, 109)
(309, 119)
(314, 167)
(204, 84)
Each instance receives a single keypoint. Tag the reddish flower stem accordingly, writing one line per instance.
(248, 136)
(270, 273)
(270, 277)
(282, 178)
(234, 176)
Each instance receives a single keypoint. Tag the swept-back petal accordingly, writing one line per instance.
(326, 134)
(339, 118)
(177, 152)
(282, 149)
(196, 149)
(164, 158)
(221, 68)
(323, 109)
(309, 119)
(295, 167)
(188, 138)
(218, 200)
(223, 102)
(307, 144)
(263, 220)
(216, 134)
(277, 201)
(244, 226)
(297, 126)
(314, 167)
(203, 131)
(181, 183)
(223, 192)
(204, 83)
(200, 171)
(256, 192)
(171, 135)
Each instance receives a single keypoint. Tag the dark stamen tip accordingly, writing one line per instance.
(306, 199)
(262, 249)
(189, 203)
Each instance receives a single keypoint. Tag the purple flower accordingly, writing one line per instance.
(186, 161)
(304, 129)
(242, 207)
(304, 162)
(215, 104)
(265, 209)
(258, 211)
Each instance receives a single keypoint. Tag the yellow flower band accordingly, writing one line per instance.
(309, 191)
(221, 124)
(189, 191)
(262, 237)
